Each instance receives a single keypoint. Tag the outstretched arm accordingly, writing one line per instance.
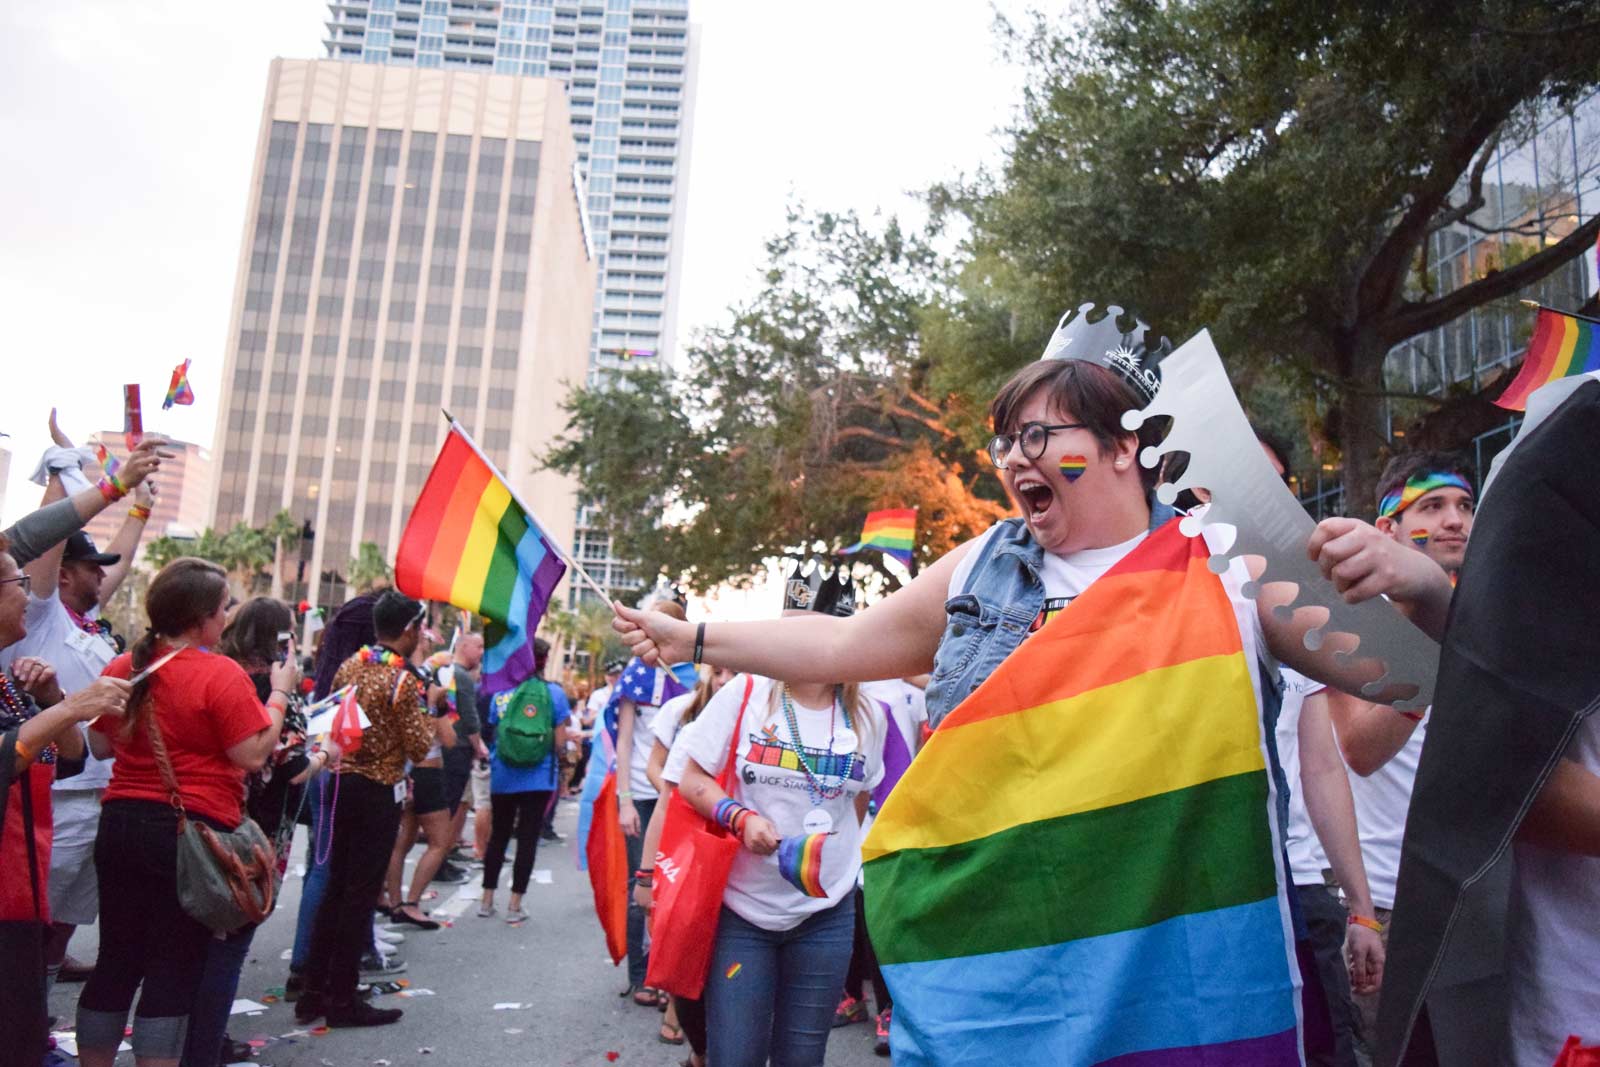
(896, 637)
(126, 543)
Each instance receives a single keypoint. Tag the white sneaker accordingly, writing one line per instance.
(388, 937)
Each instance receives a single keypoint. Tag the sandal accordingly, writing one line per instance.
(670, 1035)
(646, 997)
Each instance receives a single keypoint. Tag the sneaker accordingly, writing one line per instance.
(485, 910)
(374, 965)
(850, 1010)
(450, 874)
(360, 1013)
(880, 1043)
(550, 834)
(463, 854)
(388, 937)
(516, 916)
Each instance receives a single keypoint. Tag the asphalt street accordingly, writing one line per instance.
(480, 992)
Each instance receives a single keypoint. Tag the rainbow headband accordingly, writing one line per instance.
(1416, 487)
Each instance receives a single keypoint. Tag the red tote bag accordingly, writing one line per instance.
(691, 871)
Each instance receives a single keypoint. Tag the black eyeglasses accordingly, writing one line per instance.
(1034, 435)
(24, 580)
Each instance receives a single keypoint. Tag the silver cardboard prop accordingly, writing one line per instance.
(1267, 521)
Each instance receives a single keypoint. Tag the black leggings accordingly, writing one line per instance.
(148, 943)
(864, 962)
(525, 813)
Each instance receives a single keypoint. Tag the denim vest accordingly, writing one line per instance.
(992, 614)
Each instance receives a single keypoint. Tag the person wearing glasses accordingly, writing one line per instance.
(1085, 503)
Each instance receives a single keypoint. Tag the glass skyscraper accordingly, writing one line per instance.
(629, 69)
(415, 241)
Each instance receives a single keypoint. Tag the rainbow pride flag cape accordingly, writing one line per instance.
(1563, 346)
(892, 532)
(178, 391)
(1080, 867)
(471, 543)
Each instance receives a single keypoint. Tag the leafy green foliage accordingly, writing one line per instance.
(790, 422)
(369, 569)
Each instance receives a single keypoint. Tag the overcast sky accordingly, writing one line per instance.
(130, 130)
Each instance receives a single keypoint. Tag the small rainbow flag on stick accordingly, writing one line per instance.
(470, 542)
(1563, 346)
(178, 391)
(892, 532)
(800, 863)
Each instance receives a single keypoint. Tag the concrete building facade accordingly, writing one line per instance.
(415, 241)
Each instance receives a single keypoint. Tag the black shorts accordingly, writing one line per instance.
(427, 790)
(457, 773)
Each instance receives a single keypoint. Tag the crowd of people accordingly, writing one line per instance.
(787, 738)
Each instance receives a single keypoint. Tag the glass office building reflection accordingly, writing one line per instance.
(415, 242)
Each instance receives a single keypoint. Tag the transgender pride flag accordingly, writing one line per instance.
(471, 543)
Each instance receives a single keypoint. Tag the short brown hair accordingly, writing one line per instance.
(671, 608)
(1094, 395)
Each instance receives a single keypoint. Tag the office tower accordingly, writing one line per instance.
(414, 241)
(629, 67)
(183, 494)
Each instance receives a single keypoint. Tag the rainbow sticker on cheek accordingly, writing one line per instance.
(1419, 538)
(1072, 467)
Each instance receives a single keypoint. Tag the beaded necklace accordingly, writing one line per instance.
(819, 792)
(16, 710)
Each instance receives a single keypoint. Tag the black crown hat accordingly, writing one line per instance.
(810, 586)
(1116, 340)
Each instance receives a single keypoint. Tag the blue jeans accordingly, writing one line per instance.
(315, 883)
(779, 1003)
(219, 984)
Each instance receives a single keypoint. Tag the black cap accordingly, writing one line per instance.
(81, 549)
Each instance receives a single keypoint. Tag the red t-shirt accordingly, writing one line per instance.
(205, 704)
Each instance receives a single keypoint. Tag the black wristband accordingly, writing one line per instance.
(699, 642)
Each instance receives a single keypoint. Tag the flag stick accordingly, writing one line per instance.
(557, 545)
(1570, 314)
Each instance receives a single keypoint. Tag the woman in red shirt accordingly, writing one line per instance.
(215, 729)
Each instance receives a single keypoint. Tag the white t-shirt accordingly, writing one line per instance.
(665, 729)
(78, 657)
(1553, 938)
(1382, 800)
(1307, 861)
(596, 708)
(770, 780)
(644, 739)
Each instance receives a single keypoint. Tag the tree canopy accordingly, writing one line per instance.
(1271, 170)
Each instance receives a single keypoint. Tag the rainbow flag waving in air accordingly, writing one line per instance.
(1079, 868)
(178, 391)
(1563, 346)
(892, 532)
(471, 543)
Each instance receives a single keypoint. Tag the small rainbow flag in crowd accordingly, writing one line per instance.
(1562, 346)
(108, 462)
(800, 863)
(1093, 825)
(178, 391)
(471, 543)
(1072, 467)
(892, 532)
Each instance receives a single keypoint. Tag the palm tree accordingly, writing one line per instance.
(281, 532)
(369, 570)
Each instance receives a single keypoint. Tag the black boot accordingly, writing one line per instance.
(360, 1013)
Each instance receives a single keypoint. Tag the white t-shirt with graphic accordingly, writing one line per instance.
(1307, 861)
(1382, 799)
(1553, 938)
(770, 780)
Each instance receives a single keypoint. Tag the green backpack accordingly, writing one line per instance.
(526, 732)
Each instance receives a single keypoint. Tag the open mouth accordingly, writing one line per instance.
(1037, 498)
